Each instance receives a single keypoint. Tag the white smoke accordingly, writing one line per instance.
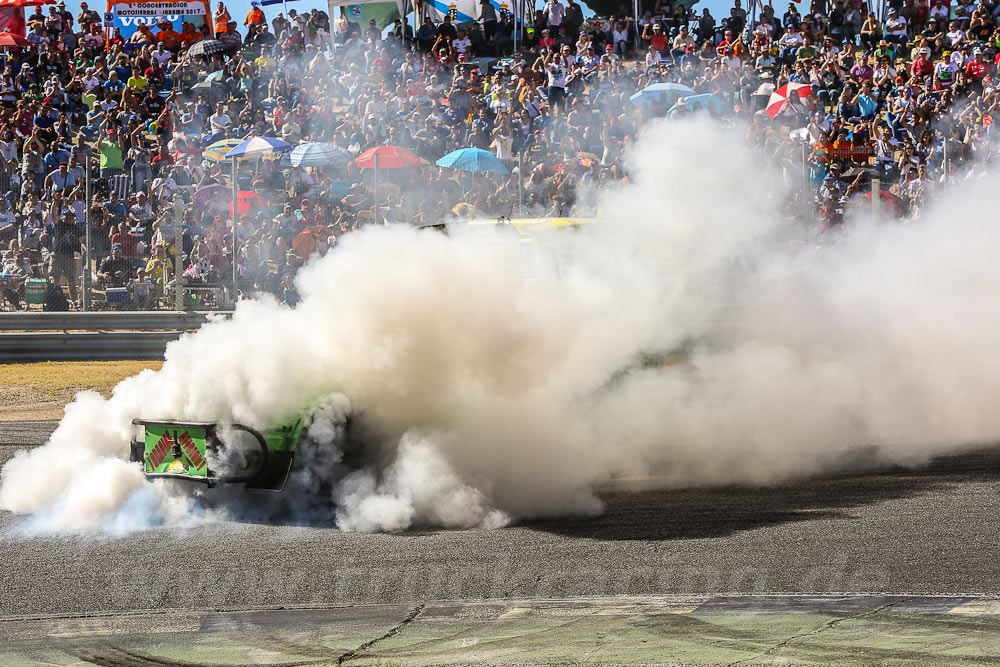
(501, 377)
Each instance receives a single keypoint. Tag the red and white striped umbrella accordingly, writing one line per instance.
(779, 98)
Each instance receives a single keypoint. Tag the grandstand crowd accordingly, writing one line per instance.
(903, 97)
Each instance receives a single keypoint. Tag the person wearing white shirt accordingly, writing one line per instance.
(653, 57)
(620, 37)
(161, 55)
(220, 121)
(90, 81)
(895, 28)
(956, 36)
(554, 12)
(940, 10)
(462, 43)
(164, 188)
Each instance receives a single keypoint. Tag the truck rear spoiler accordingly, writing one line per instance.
(178, 450)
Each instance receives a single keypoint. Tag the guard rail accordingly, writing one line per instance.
(93, 336)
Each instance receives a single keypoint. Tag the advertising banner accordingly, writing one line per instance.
(128, 16)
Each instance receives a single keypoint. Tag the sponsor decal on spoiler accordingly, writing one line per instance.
(163, 447)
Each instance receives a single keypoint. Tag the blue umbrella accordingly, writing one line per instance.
(705, 102)
(662, 93)
(314, 154)
(473, 159)
(258, 147)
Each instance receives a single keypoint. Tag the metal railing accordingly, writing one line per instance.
(93, 336)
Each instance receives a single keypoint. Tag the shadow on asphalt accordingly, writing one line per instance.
(679, 514)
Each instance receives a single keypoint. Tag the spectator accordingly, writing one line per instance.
(63, 260)
(141, 291)
(116, 270)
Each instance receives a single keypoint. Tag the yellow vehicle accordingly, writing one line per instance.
(524, 226)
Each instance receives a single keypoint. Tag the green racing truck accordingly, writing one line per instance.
(208, 452)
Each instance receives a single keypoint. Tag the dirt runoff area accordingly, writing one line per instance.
(42, 390)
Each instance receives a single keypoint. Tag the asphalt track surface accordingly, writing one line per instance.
(926, 532)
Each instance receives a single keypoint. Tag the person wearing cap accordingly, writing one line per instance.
(680, 110)
(871, 32)
(609, 57)
(116, 269)
(61, 180)
(922, 66)
(111, 147)
(978, 68)
(895, 27)
(255, 16)
(160, 55)
(546, 41)
(789, 43)
(765, 64)
(933, 35)
(885, 50)
(90, 80)
(87, 16)
(682, 40)
(945, 70)
(142, 291)
(982, 24)
(652, 32)
(170, 38)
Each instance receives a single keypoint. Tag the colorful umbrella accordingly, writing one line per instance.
(472, 159)
(780, 97)
(309, 239)
(213, 198)
(12, 40)
(315, 154)
(257, 147)
(220, 149)
(386, 157)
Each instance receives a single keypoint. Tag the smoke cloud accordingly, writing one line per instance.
(501, 380)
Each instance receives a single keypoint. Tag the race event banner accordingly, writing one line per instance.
(128, 16)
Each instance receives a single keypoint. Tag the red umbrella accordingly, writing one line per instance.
(385, 157)
(245, 201)
(12, 40)
(388, 157)
(780, 97)
(890, 203)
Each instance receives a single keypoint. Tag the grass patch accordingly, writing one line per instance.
(41, 390)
